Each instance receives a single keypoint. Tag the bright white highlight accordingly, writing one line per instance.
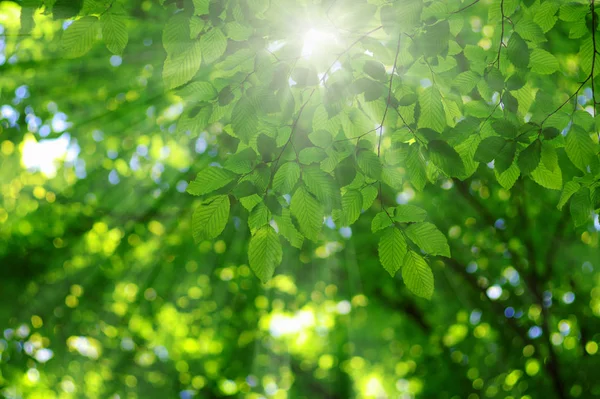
(283, 324)
(44, 155)
(315, 40)
(494, 292)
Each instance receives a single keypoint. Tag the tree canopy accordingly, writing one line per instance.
(315, 198)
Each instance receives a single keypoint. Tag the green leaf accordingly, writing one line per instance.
(466, 81)
(238, 32)
(260, 177)
(80, 36)
(308, 212)
(210, 179)
(226, 96)
(176, 34)
(549, 156)
(446, 158)
(581, 206)
(259, 216)
(63, 9)
(380, 221)
(543, 62)
(392, 250)
(250, 201)
(286, 177)
(181, 67)
(212, 44)
(550, 133)
(415, 167)
(369, 194)
(375, 69)
(266, 146)
(321, 138)
(466, 150)
(409, 214)
(515, 82)
(305, 76)
(517, 51)
(511, 104)
(530, 157)
(572, 12)
(198, 92)
(586, 54)
(114, 32)
(427, 236)
(434, 41)
(245, 189)
(401, 16)
(210, 218)
(529, 30)
(526, 132)
(393, 177)
(580, 148)
(408, 99)
(417, 275)
(244, 119)
(544, 15)
(508, 178)
(241, 162)
(494, 79)
(264, 253)
(432, 110)
(505, 128)
(322, 185)
(489, 148)
(201, 7)
(286, 228)
(352, 202)
(345, 172)
(197, 25)
(310, 155)
(369, 163)
(569, 189)
(547, 178)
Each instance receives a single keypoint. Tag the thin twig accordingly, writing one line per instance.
(567, 100)
(593, 7)
(389, 96)
(465, 7)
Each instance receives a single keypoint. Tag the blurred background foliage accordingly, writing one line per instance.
(104, 294)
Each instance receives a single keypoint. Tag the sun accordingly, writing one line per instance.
(317, 42)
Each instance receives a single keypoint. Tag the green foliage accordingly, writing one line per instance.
(407, 93)
(452, 138)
